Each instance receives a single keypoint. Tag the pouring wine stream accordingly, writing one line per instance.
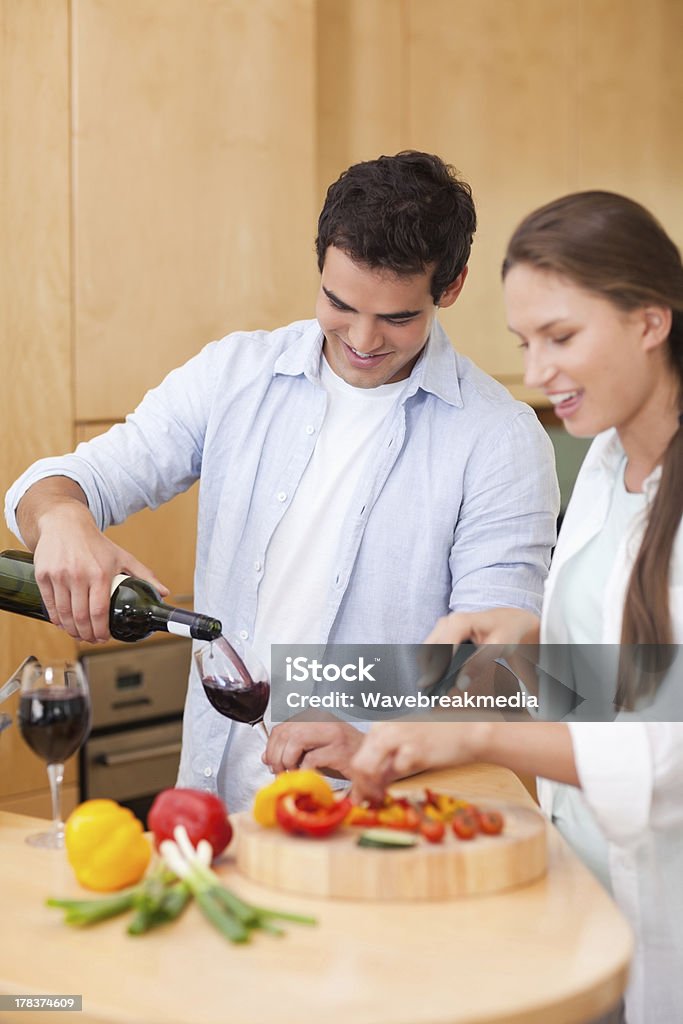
(236, 685)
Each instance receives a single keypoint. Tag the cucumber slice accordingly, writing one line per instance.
(387, 839)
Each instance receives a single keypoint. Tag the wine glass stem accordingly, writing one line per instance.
(55, 773)
(264, 729)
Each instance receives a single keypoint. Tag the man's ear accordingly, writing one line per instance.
(450, 294)
(657, 321)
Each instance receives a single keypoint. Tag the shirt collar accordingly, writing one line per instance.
(436, 371)
(610, 455)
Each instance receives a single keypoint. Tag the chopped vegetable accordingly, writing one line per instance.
(204, 815)
(465, 824)
(387, 839)
(303, 815)
(106, 845)
(302, 780)
(230, 915)
(433, 831)
(490, 822)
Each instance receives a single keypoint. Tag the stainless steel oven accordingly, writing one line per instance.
(137, 694)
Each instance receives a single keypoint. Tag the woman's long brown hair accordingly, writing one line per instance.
(613, 247)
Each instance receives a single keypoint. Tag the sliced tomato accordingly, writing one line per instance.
(465, 824)
(433, 831)
(490, 822)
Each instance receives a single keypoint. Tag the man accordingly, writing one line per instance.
(359, 478)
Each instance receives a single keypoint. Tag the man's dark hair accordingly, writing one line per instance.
(405, 213)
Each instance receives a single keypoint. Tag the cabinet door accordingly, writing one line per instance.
(194, 201)
(35, 325)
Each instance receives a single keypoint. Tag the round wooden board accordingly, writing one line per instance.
(337, 867)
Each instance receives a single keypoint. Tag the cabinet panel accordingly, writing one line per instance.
(39, 805)
(361, 83)
(194, 206)
(630, 98)
(491, 89)
(35, 321)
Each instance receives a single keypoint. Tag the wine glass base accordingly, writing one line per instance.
(47, 840)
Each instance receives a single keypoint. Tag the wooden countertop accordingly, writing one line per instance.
(553, 952)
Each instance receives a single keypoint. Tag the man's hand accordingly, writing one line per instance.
(321, 745)
(392, 750)
(74, 562)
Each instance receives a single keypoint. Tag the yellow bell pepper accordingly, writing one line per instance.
(301, 780)
(106, 845)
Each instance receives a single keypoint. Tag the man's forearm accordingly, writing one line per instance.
(45, 497)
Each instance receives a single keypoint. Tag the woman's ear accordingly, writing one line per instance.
(657, 321)
(450, 294)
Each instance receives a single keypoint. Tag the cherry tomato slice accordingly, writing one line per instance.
(491, 822)
(465, 824)
(433, 831)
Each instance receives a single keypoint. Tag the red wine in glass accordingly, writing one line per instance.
(242, 705)
(236, 684)
(54, 722)
(54, 719)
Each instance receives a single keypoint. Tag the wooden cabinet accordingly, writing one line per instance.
(194, 205)
(529, 99)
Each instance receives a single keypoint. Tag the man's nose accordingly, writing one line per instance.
(363, 333)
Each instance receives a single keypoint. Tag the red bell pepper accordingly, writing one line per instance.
(204, 815)
(302, 814)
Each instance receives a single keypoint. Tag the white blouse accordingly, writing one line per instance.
(631, 772)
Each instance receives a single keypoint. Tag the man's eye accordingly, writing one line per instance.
(399, 322)
(561, 340)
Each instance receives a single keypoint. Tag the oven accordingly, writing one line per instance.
(137, 695)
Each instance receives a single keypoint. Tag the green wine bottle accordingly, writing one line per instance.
(135, 610)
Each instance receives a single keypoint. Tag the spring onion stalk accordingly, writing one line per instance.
(154, 901)
(229, 914)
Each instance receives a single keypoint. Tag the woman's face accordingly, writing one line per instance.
(596, 363)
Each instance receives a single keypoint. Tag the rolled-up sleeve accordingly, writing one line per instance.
(631, 774)
(507, 525)
(154, 455)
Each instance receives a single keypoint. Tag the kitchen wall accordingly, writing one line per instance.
(163, 162)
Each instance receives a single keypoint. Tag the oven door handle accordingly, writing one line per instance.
(133, 756)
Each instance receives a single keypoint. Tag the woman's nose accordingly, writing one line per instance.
(538, 371)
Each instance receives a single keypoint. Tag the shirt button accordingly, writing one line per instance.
(282, 496)
(257, 566)
(208, 772)
(244, 635)
(310, 429)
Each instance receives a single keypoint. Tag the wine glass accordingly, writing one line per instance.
(54, 719)
(236, 684)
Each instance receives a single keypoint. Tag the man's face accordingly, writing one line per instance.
(375, 323)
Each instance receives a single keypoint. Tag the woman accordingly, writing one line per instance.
(594, 292)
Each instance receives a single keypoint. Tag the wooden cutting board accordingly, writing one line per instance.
(337, 867)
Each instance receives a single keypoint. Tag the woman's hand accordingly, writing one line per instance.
(392, 750)
(505, 626)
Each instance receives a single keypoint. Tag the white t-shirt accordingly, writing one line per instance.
(303, 552)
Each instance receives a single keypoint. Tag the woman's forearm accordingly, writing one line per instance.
(535, 748)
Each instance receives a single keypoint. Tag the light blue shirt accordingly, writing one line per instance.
(455, 511)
